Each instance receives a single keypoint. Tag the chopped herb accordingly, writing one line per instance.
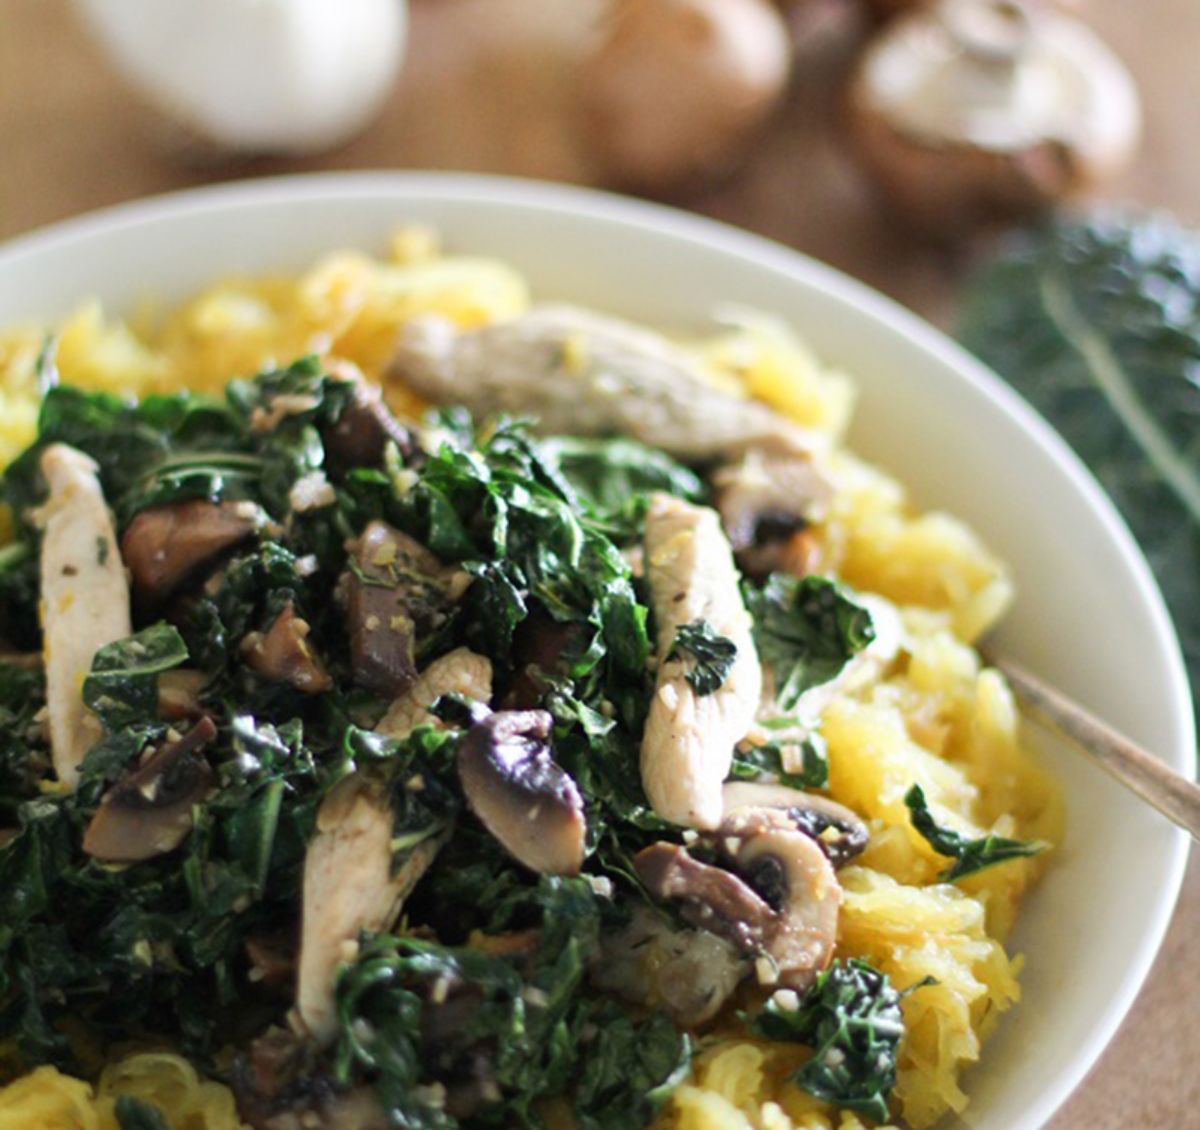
(806, 630)
(969, 855)
(851, 1019)
(713, 655)
(808, 748)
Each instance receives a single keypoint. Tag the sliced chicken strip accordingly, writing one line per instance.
(349, 886)
(688, 743)
(85, 598)
(582, 373)
(460, 671)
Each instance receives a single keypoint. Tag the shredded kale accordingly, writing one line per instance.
(851, 1019)
(713, 656)
(806, 630)
(122, 688)
(969, 855)
(768, 759)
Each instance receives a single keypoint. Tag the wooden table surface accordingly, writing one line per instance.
(475, 95)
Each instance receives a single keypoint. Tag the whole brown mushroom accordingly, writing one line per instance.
(984, 112)
(676, 88)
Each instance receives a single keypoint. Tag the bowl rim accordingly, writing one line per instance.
(588, 204)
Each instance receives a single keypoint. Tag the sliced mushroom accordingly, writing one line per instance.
(837, 830)
(713, 898)
(792, 873)
(767, 504)
(460, 671)
(689, 738)
(272, 958)
(283, 654)
(539, 647)
(582, 373)
(521, 796)
(166, 546)
(84, 598)
(361, 433)
(349, 886)
(149, 811)
(395, 591)
(179, 693)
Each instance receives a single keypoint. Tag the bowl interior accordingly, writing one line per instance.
(1088, 615)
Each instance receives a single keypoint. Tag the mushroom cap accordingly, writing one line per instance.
(149, 811)
(989, 111)
(523, 798)
(837, 830)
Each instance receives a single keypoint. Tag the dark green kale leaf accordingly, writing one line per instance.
(1096, 320)
(24, 755)
(133, 1114)
(851, 1019)
(806, 630)
(629, 1067)
(969, 855)
(713, 656)
(19, 627)
(122, 688)
(753, 763)
(615, 478)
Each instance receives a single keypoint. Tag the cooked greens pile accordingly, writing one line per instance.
(248, 697)
(1096, 320)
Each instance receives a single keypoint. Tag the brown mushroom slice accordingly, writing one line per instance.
(837, 830)
(767, 504)
(282, 653)
(84, 598)
(165, 546)
(179, 693)
(687, 746)
(349, 886)
(460, 672)
(396, 589)
(712, 897)
(523, 798)
(792, 873)
(582, 373)
(149, 811)
(540, 646)
(364, 429)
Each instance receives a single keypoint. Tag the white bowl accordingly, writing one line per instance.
(1088, 614)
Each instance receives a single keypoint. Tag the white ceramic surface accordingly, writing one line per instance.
(1088, 615)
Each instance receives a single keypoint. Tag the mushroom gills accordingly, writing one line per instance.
(518, 792)
(582, 373)
(149, 811)
(837, 830)
(350, 885)
(687, 746)
(84, 598)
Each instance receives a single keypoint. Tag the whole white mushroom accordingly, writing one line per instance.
(258, 76)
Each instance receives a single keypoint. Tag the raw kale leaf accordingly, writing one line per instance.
(969, 855)
(806, 630)
(713, 656)
(1096, 320)
(851, 1019)
(133, 1114)
(122, 688)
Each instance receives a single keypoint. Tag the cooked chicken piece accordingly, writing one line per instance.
(581, 373)
(349, 885)
(689, 737)
(460, 671)
(85, 598)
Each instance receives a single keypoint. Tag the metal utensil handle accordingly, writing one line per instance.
(1173, 795)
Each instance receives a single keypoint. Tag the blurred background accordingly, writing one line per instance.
(890, 140)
